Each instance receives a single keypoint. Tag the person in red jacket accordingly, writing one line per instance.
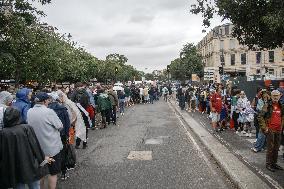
(271, 121)
(216, 108)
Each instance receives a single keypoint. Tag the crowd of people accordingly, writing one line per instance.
(228, 108)
(40, 129)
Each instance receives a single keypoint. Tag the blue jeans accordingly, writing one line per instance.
(121, 105)
(33, 185)
(260, 142)
(151, 99)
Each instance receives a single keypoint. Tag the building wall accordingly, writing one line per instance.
(220, 40)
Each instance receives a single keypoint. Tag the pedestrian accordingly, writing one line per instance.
(216, 107)
(242, 104)
(165, 93)
(47, 127)
(234, 110)
(271, 121)
(80, 95)
(76, 119)
(63, 115)
(141, 91)
(121, 99)
(182, 100)
(114, 104)
(151, 95)
(104, 106)
(263, 98)
(23, 104)
(127, 96)
(21, 155)
(6, 99)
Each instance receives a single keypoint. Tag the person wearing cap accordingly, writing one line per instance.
(63, 115)
(271, 121)
(47, 127)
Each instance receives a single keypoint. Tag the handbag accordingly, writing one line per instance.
(70, 156)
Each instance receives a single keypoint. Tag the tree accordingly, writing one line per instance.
(257, 23)
(189, 62)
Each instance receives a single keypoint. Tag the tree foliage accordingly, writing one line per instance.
(256, 22)
(31, 50)
(188, 63)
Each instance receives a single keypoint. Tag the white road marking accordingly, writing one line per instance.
(140, 155)
(190, 137)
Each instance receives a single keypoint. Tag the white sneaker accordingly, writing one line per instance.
(250, 135)
(243, 132)
(237, 132)
(247, 135)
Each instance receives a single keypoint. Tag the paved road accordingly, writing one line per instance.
(173, 158)
(241, 146)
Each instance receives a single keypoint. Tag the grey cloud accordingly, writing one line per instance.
(149, 32)
(141, 18)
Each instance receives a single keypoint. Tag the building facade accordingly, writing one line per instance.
(220, 46)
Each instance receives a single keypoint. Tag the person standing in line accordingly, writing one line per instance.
(121, 99)
(127, 96)
(6, 99)
(103, 106)
(216, 107)
(114, 104)
(263, 98)
(234, 111)
(151, 95)
(63, 115)
(23, 104)
(146, 94)
(165, 92)
(141, 89)
(271, 121)
(20, 153)
(47, 127)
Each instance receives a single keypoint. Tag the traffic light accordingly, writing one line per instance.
(220, 70)
(168, 68)
(116, 69)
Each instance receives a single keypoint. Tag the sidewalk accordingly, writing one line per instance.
(233, 153)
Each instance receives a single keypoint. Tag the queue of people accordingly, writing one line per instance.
(229, 108)
(40, 130)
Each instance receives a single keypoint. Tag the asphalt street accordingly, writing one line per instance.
(149, 148)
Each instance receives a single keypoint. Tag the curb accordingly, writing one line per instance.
(237, 171)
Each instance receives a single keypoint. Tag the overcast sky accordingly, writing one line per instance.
(150, 33)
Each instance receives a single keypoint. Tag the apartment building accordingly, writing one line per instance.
(220, 46)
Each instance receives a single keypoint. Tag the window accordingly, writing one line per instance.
(232, 43)
(283, 54)
(271, 56)
(243, 58)
(282, 72)
(258, 57)
(221, 44)
(233, 59)
(271, 71)
(227, 30)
